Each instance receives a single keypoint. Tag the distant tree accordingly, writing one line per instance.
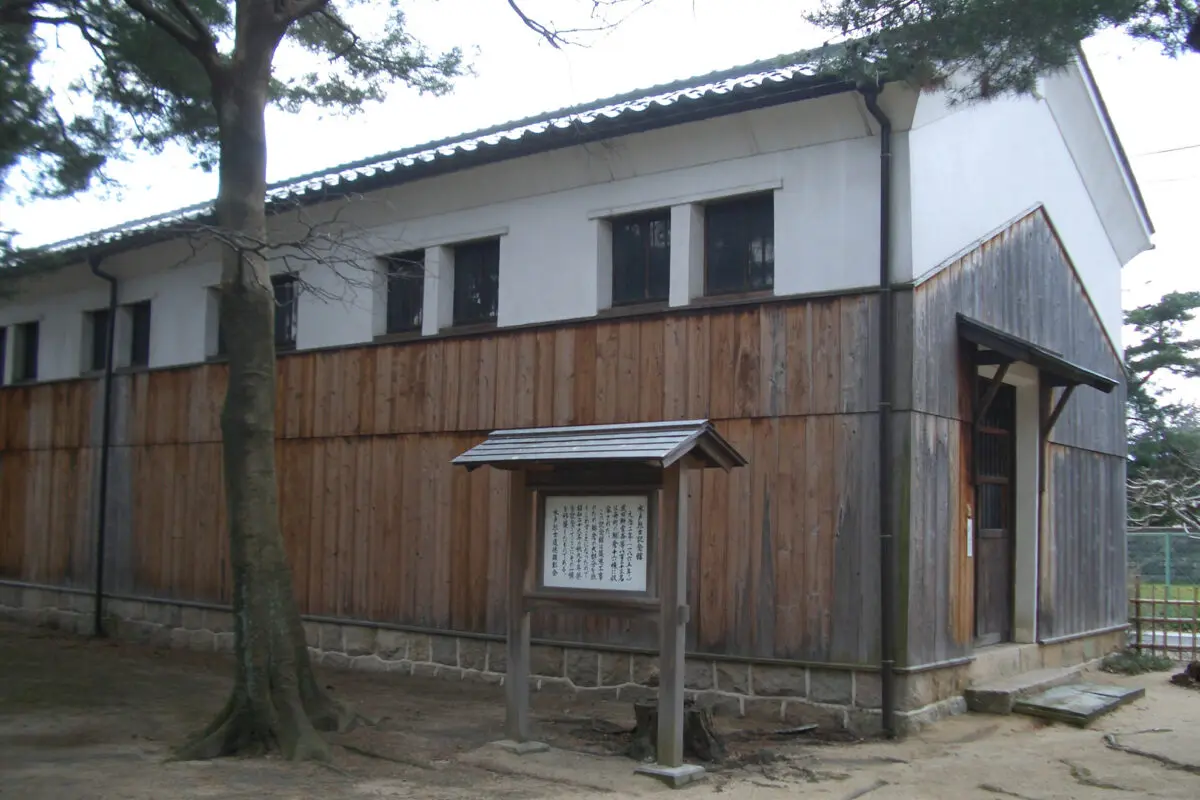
(1000, 45)
(1161, 349)
(202, 73)
(1164, 435)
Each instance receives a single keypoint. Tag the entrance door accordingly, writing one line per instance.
(995, 462)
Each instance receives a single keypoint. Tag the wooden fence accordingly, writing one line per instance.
(1166, 623)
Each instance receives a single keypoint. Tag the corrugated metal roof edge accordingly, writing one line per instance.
(168, 225)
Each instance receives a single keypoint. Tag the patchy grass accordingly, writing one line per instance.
(1132, 662)
(1160, 591)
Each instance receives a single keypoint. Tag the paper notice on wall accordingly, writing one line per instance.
(596, 542)
(970, 538)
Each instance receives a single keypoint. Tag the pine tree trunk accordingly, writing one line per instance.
(276, 703)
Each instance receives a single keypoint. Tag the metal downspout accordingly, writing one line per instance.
(105, 440)
(887, 543)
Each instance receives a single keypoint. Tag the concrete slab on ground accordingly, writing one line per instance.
(1077, 704)
(999, 696)
(675, 777)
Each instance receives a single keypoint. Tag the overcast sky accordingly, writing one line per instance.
(1152, 100)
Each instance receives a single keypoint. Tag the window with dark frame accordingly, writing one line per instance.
(405, 291)
(285, 287)
(139, 334)
(25, 353)
(3, 354)
(739, 245)
(98, 333)
(641, 258)
(476, 282)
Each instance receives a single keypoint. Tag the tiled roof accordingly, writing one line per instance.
(659, 444)
(762, 83)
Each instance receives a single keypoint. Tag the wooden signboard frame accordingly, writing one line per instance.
(650, 459)
(665, 595)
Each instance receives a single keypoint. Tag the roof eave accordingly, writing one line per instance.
(1008, 345)
(681, 112)
(1135, 188)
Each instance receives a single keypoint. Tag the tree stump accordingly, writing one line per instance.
(1189, 678)
(699, 740)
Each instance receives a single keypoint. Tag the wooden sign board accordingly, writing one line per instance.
(596, 542)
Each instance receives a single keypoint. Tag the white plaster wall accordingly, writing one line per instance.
(60, 330)
(959, 174)
(178, 299)
(826, 211)
(335, 307)
(975, 167)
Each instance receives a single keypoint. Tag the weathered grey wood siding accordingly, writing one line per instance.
(1020, 281)
(1082, 581)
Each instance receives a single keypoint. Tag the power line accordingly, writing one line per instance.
(1167, 150)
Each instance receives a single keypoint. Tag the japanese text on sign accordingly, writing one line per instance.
(595, 542)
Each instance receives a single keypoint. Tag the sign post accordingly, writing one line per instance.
(673, 633)
(598, 522)
(517, 666)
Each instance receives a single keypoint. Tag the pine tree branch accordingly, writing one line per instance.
(199, 25)
(205, 51)
(16, 11)
(886, 14)
(289, 12)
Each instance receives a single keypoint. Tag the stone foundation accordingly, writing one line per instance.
(780, 694)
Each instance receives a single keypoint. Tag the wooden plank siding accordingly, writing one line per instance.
(1082, 561)
(1022, 282)
(379, 526)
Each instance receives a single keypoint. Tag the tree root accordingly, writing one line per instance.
(327, 714)
(994, 789)
(335, 769)
(879, 784)
(240, 729)
(1111, 741)
(408, 761)
(224, 735)
(1084, 777)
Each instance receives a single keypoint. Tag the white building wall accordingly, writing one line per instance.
(178, 304)
(974, 168)
(959, 174)
(60, 330)
(819, 158)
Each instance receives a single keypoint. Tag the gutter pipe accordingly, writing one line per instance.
(105, 441)
(887, 544)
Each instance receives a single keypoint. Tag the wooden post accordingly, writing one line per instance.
(1137, 613)
(672, 585)
(673, 571)
(517, 674)
(1195, 619)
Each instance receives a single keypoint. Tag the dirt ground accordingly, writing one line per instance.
(84, 720)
